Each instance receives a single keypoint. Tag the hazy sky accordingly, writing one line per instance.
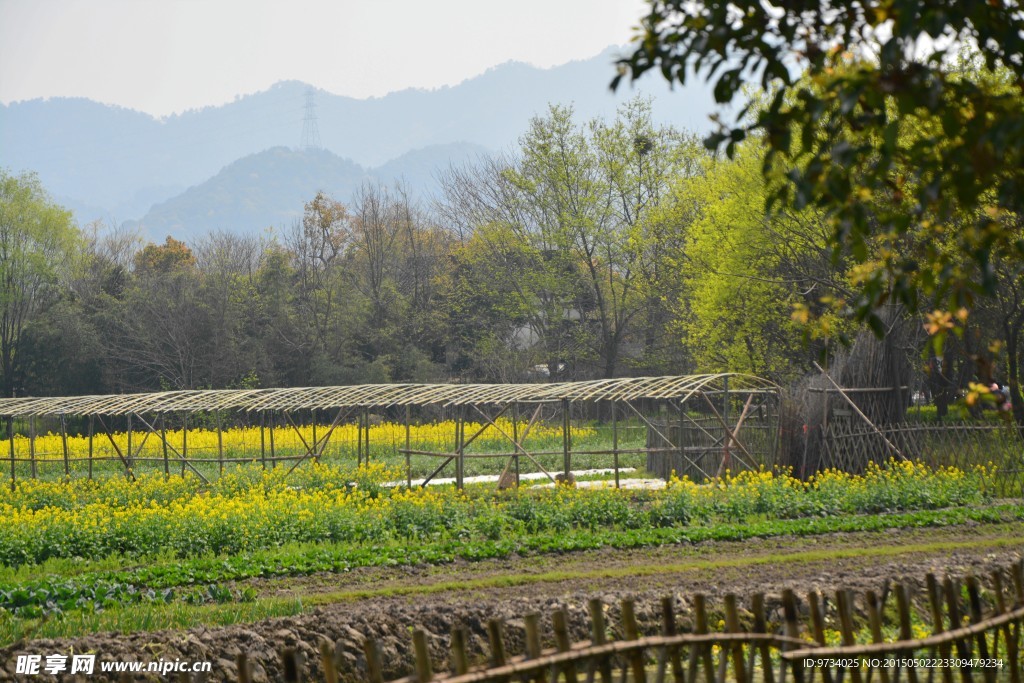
(166, 56)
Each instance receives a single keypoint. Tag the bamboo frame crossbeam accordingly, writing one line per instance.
(664, 438)
(382, 396)
(163, 434)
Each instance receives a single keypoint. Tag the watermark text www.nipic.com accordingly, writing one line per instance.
(87, 665)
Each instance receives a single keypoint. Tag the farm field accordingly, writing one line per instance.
(387, 601)
(258, 552)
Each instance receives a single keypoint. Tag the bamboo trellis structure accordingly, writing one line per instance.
(276, 409)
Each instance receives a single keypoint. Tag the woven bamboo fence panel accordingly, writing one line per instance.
(966, 639)
(848, 445)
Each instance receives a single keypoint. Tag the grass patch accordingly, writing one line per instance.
(136, 618)
(638, 570)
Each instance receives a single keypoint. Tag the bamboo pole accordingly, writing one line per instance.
(560, 625)
(460, 658)
(631, 631)
(184, 442)
(220, 446)
(615, 440)
(424, 672)
(316, 456)
(129, 452)
(408, 442)
(92, 430)
(515, 437)
(273, 451)
(732, 625)
(359, 439)
(460, 439)
(32, 443)
(366, 432)
(727, 437)
(64, 444)
(10, 444)
(374, 666)
(859, 412)
(263, 439)
(163, 439)
(566, 465)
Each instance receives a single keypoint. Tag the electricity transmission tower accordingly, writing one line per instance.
(310, 129)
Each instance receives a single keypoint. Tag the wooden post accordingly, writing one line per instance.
(515, 438)
(700, 654)
(263, 439)
(874, 608)
(316, 449)
(496, 636)
(974, 609)
(408, 441)
(424, 673)
(598, 636)
(374, 667)
(615, 439)
(32, 443)
(460, 439)
(566, 465)
(327, 659)
(817, 606)
(732, 625)
(760, 626)
(184, 441)
(167, 461)
(460, 659)
(292, 665)
(64, 443)
(220, 447)
(242, 661)
(668, 628)
(906, 633)
(843, 604)
(359, 439)
(560, 624)
(935, 603)
(789, 610)
(952, 591)
(366, 433)
(10, 444)
(532, 624)
(273, 451)
(130, 453)
(92, 430)
(630, 631)
(1009, 634)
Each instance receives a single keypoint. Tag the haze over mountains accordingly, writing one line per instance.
(236, 167)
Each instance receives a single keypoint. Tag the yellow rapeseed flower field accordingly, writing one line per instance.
(247, 441)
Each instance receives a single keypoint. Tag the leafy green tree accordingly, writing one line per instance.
(743, 274)
(848, 79)
(39, 245)
(566, 222)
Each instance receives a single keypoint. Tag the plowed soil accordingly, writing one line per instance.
(387, 603)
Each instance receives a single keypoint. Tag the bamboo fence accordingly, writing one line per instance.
(966, 642)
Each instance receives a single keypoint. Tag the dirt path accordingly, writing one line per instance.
(386, 602)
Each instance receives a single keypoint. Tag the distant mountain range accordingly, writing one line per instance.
(234, 166)
(269, 188)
